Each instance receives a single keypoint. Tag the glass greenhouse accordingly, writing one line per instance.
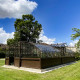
(35, 55)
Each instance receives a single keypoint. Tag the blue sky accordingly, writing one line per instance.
(57, 17)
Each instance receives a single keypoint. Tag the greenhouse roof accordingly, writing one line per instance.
(46, 48)
(59, 45)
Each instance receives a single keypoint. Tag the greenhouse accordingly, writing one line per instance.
(35, 55)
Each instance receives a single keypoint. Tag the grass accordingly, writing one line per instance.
(70, 72)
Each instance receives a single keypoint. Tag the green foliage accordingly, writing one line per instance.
(2, 52)
(78, 44)
(10, 41)
(77, 56)
(27, 29)
(0, 49)
(77, 33)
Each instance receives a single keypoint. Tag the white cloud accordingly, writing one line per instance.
(15, 9)
(45, 39)
(4, 36)
(72, 44)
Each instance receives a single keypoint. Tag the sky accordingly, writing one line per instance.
(57, 17)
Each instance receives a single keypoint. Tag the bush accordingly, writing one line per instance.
(2, 55)
(77, 56)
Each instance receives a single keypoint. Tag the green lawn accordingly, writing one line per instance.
(70, 72)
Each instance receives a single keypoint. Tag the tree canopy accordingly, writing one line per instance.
(78, 44)
(76, 35)
(26, 29)
(10, 41)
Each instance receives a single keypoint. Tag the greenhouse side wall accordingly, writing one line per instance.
(67, 59)
(50, 62)
(38, 63)
(31, 63)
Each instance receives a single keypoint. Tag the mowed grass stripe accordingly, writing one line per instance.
(70, 72)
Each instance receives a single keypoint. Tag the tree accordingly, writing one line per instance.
(10, 41)
(2, 52)
(27, 29)
(76, 35)
(78, 44)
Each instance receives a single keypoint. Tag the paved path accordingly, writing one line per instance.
(2, 59)
(38, 70)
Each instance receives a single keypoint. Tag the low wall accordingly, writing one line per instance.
(17, 62)
(49, 62)
(38, 63)
(31, 63)
(67, 59)
(7, 61)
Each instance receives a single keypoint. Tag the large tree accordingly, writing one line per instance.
(26, 29)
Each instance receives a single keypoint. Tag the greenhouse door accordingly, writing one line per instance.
(11, 60)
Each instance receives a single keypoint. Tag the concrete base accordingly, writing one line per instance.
(37, 70)
(2, 59)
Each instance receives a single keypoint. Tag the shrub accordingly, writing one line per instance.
(2, 53)
(77, 56)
